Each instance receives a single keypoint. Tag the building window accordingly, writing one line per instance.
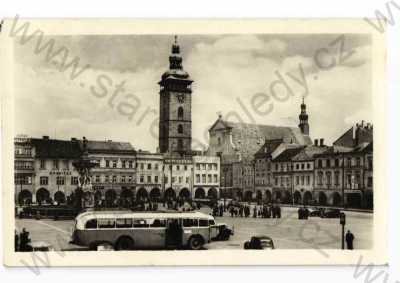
(308, 166)
(114, 179)
(55, 163)
(358, 160)
(336, 162)
(180, 113)
(308, 180)
(74, 180)
(106, 179)
(173, 180)
(44, 181)
(165, 180)
(180, 180)
(319, 163)
(42, 164)
(97, 179)
(149, 166)
(203, 177)
(114, 164)
(130, 179)
(209, 178)
(297, 179)
(328, 178)
(370, 164)
(107, 163)
(178, 168)
(123, 164)
(185, 167)
(155, 179)
(141, 166)
(328, 163)
(197, 178)
(215, 178)
(180, 129)
(369, 182)
(302, 180)
(320, 177)
(149, 179)
(122, 179)
(60, 180)
(219, 141)
(130, 164)
(141, 179)
(348, 162)
(336, 178)
(156, 166)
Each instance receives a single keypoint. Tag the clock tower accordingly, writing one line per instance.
(175, 128)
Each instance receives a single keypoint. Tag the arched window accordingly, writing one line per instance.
(180, 113)
(180, 129)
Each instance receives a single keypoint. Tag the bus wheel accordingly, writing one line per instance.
(196, 243)
(124, 244)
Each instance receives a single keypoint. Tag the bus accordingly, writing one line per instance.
(127, 230)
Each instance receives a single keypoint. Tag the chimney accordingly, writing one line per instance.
(316, 142)
(321, 142)
(73, 139)
(45, 137)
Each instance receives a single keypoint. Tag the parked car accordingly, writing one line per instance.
(259, 242)
(331, 213)
(316, 212)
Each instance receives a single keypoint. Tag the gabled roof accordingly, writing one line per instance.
(268, 147)
(288, 154)
(309, 152)
(51, 148)
(108, 146)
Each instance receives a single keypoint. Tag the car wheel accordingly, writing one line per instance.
(196, 243)
(124, 244)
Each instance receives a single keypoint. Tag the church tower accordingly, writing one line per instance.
(303, 117)
(175, 128)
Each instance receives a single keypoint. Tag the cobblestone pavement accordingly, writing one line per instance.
(287, 232)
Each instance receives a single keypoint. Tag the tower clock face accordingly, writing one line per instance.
(181, 98)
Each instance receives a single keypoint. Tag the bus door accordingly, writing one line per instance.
(174, 233)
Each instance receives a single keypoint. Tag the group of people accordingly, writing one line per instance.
(22, 241)
(258, 211)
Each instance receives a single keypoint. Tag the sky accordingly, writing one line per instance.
(258, 78)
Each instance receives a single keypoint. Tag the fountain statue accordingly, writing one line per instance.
(84, 193)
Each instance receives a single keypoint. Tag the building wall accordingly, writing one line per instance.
(206, 176)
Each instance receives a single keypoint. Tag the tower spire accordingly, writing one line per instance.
(303, 117)
(175, 59)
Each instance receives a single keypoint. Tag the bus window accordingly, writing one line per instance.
(211, 222)
(203, 223)
(91, 224)
(106, 223)
(157, 223)
(190, 223)
(140, 223)
(124, 223)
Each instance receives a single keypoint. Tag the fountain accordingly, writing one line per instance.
(84, 194)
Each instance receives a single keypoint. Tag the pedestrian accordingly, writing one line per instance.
(349, 240)
(16, 240)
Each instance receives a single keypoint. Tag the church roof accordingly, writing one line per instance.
(249, 138)
(268, 147)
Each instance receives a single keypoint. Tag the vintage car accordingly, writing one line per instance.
(259, 242)
(331, 213)
(316, 212)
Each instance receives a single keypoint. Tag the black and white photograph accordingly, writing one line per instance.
(194, 142)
